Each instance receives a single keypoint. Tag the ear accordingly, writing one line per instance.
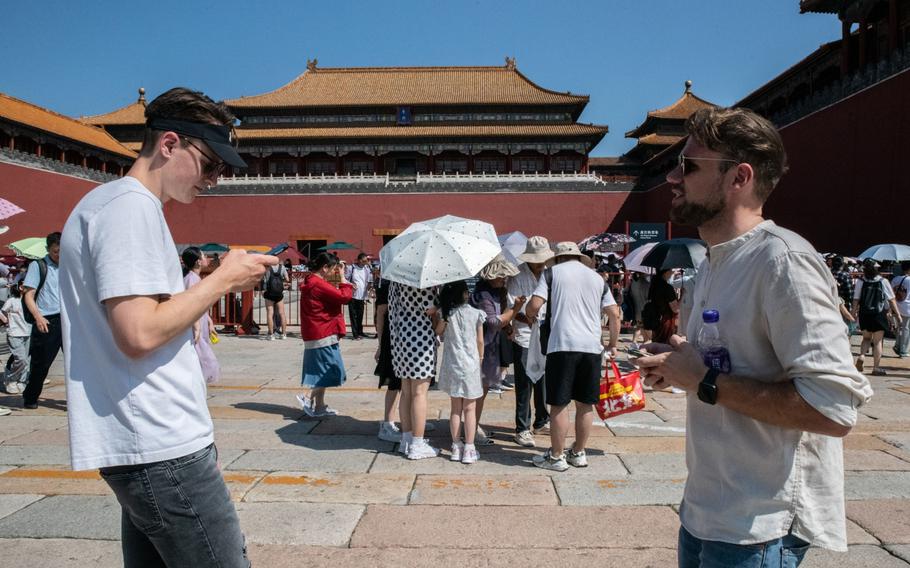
(168, 142)
(744, 177)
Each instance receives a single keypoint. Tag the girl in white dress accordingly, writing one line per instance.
(461, 328)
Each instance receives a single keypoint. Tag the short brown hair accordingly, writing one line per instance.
(744, 136)
(181, 103)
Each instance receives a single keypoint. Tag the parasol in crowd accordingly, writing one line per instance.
(214, 247)
(32, 247)
(634, 258)
(338, 245)
(513, 244)
(8, 209)
(676, 253)
(605, 242)
(893, 252)
(437, 251)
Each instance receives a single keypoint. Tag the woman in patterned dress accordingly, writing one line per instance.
(414, 361)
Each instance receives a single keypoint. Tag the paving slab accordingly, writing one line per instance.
(645, 424)
(484, 490)
(642, 445)
(60, 553)
(596, 490)
(9, 504)
(901, 551)
(34, 455)
(888, 520)
(65, 516)
(860, 485)
(297, 459)
(900, 440)
(315, 524)
(655, 466)
(861, 556)
(60, 437)
(333, 488)
(866, 442)
(858, 535)
(533, 527)
(468, 557)
(873, 460)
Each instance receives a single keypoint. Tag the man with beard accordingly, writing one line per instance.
(763, 432)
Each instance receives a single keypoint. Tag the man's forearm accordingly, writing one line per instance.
(30, 304)
(613, 323)
(778, 404)
(142, 324)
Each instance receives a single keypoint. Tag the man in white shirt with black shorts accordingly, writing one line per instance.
(575, 298)
(135, 392)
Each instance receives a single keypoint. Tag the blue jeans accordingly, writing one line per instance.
(177, 513)
(785, 552)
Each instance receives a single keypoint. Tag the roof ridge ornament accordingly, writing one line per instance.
(510, 63)
(689, 87)
(311, 64)
(141, 96)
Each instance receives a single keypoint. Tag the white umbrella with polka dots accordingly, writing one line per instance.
(437, 251)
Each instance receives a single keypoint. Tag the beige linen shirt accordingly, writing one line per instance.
(750, 482)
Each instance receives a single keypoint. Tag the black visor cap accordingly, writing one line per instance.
(216, 136)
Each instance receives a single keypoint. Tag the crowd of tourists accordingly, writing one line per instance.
(770, 391)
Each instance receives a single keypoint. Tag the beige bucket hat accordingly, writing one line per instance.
(499, 267)
(567, 248)
(537, 250)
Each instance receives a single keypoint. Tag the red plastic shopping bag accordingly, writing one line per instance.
(620, 393)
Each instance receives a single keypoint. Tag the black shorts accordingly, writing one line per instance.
(874, 322)
(572, 376)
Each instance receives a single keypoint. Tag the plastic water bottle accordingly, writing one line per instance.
(714, 351)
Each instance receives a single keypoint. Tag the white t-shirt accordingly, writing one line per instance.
(360, 277)
(522, 284)
(579, 296)
(902, 307)
(125, 411)
(18, 327)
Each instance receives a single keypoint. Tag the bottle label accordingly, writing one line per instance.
(717, 358)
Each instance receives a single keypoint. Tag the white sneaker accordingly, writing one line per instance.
(325, 411)
(388, 432)
(4, 411)
(420, 449)
(677, 390)
(13, 388)
(470, 455)
(525, 439)
(305, 401)
(404, 445)
(457, 451)
(494, 390)
(283, 336)
(269, 337)
(481, 438)
(547, 461)
(47, 382)
(576, 459)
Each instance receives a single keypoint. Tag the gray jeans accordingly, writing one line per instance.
(902, 343)
(17, 364)
(177, 513)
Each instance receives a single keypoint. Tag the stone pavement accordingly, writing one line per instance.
(328, 492)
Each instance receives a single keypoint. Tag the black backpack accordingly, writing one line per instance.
(274, 286)
(872, 298)
(42, 276)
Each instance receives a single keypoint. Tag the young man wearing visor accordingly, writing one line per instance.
(136, 394)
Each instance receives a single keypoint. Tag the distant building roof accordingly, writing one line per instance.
(819, 55)
(39, 118)
(485, 130)
(133, 113)
(395, 86)
(678, 111)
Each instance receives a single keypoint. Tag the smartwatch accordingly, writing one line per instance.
(707, 388)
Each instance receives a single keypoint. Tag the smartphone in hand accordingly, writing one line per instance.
(278, 249)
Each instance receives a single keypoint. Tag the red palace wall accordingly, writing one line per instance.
(847, 187)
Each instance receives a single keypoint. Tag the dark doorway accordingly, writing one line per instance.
(406, 167)
(310, 248)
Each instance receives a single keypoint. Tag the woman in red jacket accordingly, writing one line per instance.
(321, 326)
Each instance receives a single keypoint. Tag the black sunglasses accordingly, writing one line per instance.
(211, 165)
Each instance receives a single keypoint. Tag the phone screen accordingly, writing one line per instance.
(278, 249)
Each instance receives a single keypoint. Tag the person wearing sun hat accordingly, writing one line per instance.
(490, 296)
(534, 259)
(575, 297)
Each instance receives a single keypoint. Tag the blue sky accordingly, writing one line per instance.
(630, 56)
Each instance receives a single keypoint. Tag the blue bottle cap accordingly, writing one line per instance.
(710, 316)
